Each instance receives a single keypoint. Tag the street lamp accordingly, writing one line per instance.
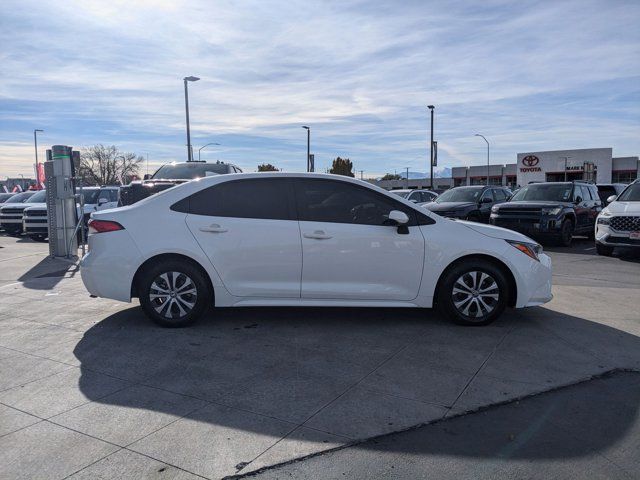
(186, 107)
(200, 149)
(478, 135)
(35, 142)
(308, 147)
(431, 108)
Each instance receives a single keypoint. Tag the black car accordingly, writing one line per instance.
(552, 211)
(172, 174)
(469, 203)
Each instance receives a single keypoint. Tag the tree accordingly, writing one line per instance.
(342, 166)
(106, 165)
(267, 167)
(391, 176)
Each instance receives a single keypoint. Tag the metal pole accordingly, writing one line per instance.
(361, 173)
(308, 149)
(431, 108)
(407, 177)
(186, 107)
(483, 137)
(35, 142)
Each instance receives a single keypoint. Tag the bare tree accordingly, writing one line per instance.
(267, 167)
(106, 165)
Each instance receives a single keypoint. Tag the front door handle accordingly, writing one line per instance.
(213, 228)
(318, 235)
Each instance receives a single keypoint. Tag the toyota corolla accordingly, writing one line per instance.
(290, 239)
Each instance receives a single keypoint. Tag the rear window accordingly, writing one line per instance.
(190, 171)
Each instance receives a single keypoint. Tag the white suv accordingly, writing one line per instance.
(618, 225)
(305, 240)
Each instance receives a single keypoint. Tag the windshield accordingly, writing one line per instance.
(402, 193)
(631, 194)
(20, 197)
(558, 192)
(190, 170)
(460, 194)
(40, 197)
(90, 195)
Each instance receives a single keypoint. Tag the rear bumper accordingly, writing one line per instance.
(108, 268)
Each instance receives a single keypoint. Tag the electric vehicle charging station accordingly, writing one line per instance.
(60, 173)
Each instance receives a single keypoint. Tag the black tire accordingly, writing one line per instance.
(604, 250)
(451, 294)
(161, 310)
(566, 233)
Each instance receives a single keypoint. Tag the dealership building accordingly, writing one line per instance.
(591, 164)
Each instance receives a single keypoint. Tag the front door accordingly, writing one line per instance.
(248, 230)
(350, 250)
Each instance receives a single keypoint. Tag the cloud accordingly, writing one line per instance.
(526, 74)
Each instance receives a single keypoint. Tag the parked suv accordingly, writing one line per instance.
(618, 225)
(469, 203)
(11, 210)
(170, 175)
(551, 211)
(417, 196)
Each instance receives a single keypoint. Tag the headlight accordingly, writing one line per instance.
(533, 250)
(551, 211)
(604, 220)
(495, 209)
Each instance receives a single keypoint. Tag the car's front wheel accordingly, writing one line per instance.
(566, 233)
(604, 250)
(173, 293)
(474, 292)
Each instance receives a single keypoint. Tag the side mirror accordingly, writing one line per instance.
(486, 200)
(578, 199)
(612, 198)
(147, 176)
(400, 218)
(413, 200)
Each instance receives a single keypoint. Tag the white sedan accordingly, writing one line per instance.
(289, 239)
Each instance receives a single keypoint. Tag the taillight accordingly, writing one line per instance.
(101, 226)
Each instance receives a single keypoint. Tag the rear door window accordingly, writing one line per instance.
(267, 198)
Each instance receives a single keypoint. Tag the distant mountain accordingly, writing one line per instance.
(438, 172)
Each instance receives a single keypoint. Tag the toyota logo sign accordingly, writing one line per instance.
(530, 161)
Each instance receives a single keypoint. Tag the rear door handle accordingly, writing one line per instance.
(318, 235)
(213, 228)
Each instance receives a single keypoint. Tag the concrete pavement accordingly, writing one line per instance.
(90, 386)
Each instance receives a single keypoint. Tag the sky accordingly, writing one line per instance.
(529, 75)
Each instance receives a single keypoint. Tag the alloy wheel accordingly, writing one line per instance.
(475, 294)
(173, 294)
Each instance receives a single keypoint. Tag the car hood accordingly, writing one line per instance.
(496, 232)
(448, 206)
(36, 205)
(16, 205)
(535, 204)
(623, 207)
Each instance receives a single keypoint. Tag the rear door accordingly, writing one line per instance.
(485, 208)
(581, 198)
(247, 228)
(350, 249)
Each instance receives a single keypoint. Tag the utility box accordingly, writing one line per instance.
(61, 201)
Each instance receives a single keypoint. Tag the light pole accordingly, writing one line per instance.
(186, 107)
(565, 167)
(431, 108)
(308, 147)
(407, 177)
(200, 149)
(478, 135)
(35, 142)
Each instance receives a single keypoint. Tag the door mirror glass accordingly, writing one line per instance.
(400, 218)
(578, 199)
(147, 176)
(612, 198)
(486, 200)
(414, 200)
(102, 201)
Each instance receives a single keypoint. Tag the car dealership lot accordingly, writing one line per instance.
(91, 387)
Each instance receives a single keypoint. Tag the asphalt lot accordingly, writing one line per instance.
(89, 388)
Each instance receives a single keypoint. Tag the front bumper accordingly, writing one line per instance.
(532, 227)
(609, 237)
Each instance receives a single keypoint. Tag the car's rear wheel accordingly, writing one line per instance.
(604, 250)
(473, 293)
(173, 293)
